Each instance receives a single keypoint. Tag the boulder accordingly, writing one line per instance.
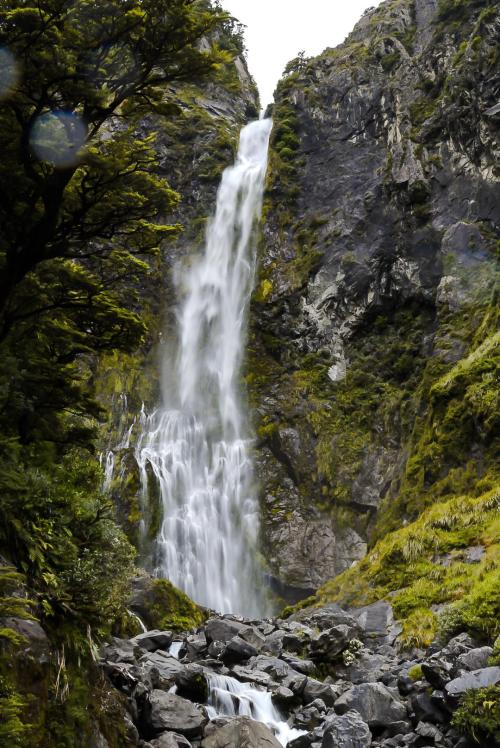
(488, 676)
(171, 740)
(120, 650)
(437, 671)
(308, 717)
(275, 667)
(247, 675)
(315, 689)
(168, 667)
(35, 642)
(196, 646)
(297, 663)
(242, 732)
(325, 618)
(331, 642)
(374, 702)
(237, 650)
(378, 624)
(283, 696)
(347, 731)
(426, 710)
(475, 659)
(192, 684)
(168, 712)
(153, 640)
(222, 629)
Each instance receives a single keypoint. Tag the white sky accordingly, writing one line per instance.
(278, 29)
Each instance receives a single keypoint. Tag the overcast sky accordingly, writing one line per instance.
(278, 29)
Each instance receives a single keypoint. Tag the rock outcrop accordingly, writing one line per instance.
(378, 275)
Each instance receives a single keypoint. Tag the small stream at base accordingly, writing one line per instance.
(230, 698)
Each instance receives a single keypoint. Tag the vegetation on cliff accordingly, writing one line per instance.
(83, 212)
(381, 354)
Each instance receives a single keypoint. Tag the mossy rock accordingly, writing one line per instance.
(162, 606)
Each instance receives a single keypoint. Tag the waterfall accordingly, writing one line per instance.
(196, 445)
(228, 697)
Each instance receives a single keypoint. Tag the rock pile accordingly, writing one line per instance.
(373, 695)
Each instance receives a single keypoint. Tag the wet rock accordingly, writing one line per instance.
(242, 732)
(169, 712)
(347, 731)
(284, 696)
(153, 640)
(374, 702)
(192, 684)
(196, 647)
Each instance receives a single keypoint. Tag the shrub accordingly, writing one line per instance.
(478, 715)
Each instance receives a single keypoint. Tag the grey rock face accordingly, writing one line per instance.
(392, 185)
(315, 689)
(475, 659)
(120, 650)
(374, 702)
(153, 640)
(347, 731)
(331, 643)
(482, 678)
(168, 712)
(237, 650)
(242, 732)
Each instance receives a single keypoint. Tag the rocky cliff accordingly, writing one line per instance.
(373, 363)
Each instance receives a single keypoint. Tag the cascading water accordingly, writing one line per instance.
(197, 444)
(228, 697)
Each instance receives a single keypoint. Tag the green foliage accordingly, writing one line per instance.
(423, 564)
(13, 730)
(415, 672)
(478, 715)
(169, 608)
(59, 530)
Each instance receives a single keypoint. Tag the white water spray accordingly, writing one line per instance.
(228, 697)
(197, 444)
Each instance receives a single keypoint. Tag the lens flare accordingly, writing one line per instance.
(58, 138)
(9, 72)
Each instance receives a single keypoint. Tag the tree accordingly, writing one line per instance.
(79, 198)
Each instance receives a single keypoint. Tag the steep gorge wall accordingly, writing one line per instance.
(373, 363)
